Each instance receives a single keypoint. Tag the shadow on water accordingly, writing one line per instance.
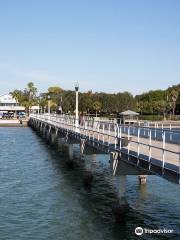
(99, 196)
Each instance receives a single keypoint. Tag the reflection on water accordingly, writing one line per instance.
(43, 198)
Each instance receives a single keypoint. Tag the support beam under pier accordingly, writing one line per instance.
(120, 167)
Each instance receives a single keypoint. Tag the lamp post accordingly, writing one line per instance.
(60, 107)
(39, 98)
(49, 106)
(76, 85)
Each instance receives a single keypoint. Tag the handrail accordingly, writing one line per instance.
(113, 133)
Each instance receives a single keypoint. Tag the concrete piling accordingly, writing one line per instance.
(142, 179)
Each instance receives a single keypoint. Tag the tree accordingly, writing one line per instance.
(124, 101)
(139, 106)
(18, 95)
(30, 95)
(172, 97)
(42, 100)
(31, 89)
(149, 102)
(56, 95)
(96, 106)
(68, 101)
(55, 90)
(85, 103)
(160, 107)
(53, 106)
(27, 97)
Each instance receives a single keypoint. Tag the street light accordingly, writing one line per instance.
(60, 107)
(76, 85)
(39, 99)
(49, 106)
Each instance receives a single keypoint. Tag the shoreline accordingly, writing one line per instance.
(13, 123)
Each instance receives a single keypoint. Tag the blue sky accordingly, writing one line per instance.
(112, 46)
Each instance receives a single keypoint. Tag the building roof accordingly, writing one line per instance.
(7, 98)
(129, 113)
(12, 108)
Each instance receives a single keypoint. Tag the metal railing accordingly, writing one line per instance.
(154, 145)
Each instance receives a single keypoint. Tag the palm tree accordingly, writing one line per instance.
(27, 97)
(173, 95)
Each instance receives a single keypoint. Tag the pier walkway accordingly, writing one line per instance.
(147, 150)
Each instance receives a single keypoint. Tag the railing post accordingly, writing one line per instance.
(149, 149)
(138, 145)
(118, 129)
(128, 132)
(162, 130)
(93, 132)
(148, 130)
(109, 133)
(98, 132)
(128, 140)
(89, 129)
(163, 152)
(103, 133)
(170, 127)
(120, 136)
(115, 135)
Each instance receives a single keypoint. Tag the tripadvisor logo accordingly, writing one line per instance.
(139, 231)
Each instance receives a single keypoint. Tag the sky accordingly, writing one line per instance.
(106, 45)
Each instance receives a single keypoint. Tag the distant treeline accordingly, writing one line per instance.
(159, 102)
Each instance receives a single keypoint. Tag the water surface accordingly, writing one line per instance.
(42, 198)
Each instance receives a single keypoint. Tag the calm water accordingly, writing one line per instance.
(41, 198)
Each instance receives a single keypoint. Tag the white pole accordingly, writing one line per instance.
(49, 108)
(77, 119)
(61, 106)
(170, 132)
(115, 135)
(163, 151)
(149, 148)
(138, 143)
(103, 133)
(76, 114)
(120, 138)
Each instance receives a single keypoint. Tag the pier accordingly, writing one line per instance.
(133, 150)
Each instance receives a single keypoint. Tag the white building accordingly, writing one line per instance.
(34, 109)
(9, 104)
